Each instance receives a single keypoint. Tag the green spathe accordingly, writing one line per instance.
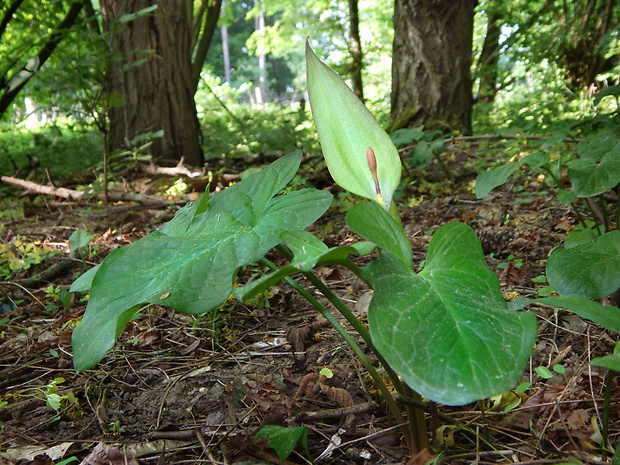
(346, 130)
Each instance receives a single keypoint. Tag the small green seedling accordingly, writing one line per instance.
(58, 295)
(53, 398)
(79, 239)
(543, 372)
(117, 429)
(283, 440)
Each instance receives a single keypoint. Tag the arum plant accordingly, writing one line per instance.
(445, 333)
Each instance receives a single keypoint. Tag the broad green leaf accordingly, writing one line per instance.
(535, 160)
(490, 179)
(308, 252)
(84, 282)
(598, 168)
(566, 197)
(581, 235)
(192, 272)
(606, 316)
(421, 156)
(283, 440)
(605, 92)
(178, 225)
(591, 270)
(611, 362)
(346, 129)
(406, 136)
(447, 330)
(543, 372)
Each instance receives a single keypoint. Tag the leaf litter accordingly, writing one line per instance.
(180, 388)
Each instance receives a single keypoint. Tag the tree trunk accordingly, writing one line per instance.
(150, 76)
(355, 49)
(431, 61)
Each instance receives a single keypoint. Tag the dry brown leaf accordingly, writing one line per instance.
(103, 454)
(298, 335)
(422, 457)
(578, 419)
(337, 394)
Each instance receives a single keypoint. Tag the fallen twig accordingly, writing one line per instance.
(76, 195)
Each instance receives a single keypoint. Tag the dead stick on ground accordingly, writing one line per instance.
(336, 412)
(75, 195)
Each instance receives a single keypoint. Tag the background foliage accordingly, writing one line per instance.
(540, 84)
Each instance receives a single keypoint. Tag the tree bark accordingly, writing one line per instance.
(431, 61)
(150, 76)
(355, 49)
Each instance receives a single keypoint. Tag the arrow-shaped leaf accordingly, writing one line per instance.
(598, 168)
(447, 330)
(190, 265)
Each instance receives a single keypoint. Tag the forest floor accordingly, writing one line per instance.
(196, 389)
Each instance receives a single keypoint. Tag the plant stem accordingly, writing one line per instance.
(605, 214)
(393, 406)
(416, 416)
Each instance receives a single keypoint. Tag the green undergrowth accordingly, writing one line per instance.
(241, 129)
(63, 150)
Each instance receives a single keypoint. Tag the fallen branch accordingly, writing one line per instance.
(506, 137)
(483, 137)
(47, 275)
(77, 195)
(179, 170)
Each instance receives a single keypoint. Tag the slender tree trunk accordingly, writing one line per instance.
(204, 40)
(10, 86)
(431, 61)
(489, 57)
(225, 51)
(262, 59)
(9, 15)
(355, 49)
(151, 77)
(580, 49)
